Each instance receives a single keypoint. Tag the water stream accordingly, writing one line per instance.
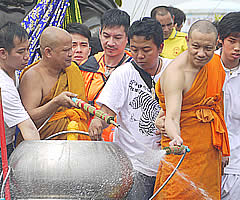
(153, 157)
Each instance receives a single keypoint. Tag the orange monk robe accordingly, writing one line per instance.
(204, 132)
(93, 71)
(69, 80)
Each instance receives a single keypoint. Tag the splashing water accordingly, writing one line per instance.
(153, 157)
(184, 177)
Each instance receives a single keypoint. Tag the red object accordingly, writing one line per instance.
(4, 150)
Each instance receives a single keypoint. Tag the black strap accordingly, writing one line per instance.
(146, 77)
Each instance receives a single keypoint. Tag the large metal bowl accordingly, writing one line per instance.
(63, 169)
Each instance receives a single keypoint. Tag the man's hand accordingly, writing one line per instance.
(64, 99)
(95, 129)
(177, 141)
(160, 122)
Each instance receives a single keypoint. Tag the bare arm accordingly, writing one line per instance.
(172, 84)
(28, 130)
(160, 122)
(97, 125)
(31, 91)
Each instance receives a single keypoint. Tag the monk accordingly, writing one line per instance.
(192, 103)
(46, 87)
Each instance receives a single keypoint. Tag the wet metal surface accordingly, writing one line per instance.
(60, 169)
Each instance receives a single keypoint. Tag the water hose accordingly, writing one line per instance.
(4, 150)
(91, 109)
(176, 150)
(66, 132)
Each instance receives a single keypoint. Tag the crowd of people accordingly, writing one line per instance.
(166, 88)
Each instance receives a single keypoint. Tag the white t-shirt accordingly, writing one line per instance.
(13, 110)
(231, 91)
(129, 97)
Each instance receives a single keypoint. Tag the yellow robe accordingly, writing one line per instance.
(69, 80)
(204, 131)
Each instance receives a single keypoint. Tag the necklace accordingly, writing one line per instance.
(233, 69)
(109, 68)
(153, 82)
(230, 70)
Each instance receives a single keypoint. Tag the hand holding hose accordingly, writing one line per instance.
(176, 150)
(95, 129)
(177, 141)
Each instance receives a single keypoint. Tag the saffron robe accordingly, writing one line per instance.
(69, 80)
(204, 131)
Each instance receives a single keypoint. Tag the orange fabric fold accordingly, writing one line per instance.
(215, 81)
(74, 114)
(204, 131)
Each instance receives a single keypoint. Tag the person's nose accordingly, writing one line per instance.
(111, 41)
(165, 28)
(201, 52)
(140, 55)
(70, 53)
(78, 49)
(26, 56)
(237, 47)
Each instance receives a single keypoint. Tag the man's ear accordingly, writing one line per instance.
(3, 54)
(90, 49)
(173, 17)
(47, 52)
(219, 40)
(160, 48)
(100, 31)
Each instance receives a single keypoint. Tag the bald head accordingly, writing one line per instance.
(203, 26)
(56, 47)
(53, 37)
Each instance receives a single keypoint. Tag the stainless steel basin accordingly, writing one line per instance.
(60, 169)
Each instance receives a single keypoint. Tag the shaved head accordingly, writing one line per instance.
(56, 47)
(53, 36)
(203, 26)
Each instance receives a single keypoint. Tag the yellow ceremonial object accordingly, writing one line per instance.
(72, 126)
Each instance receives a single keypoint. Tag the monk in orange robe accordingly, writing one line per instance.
(192, 102)
(46, 87)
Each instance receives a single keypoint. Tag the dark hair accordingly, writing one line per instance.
(95, 45)
(79, 29)
(149, 28)
(163, 10)
(229, 25)
(179, 16)
(115, 17)
(10, 31)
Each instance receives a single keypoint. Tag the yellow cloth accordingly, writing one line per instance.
(72, 126)
(202, 165)
(69, 80)
(174, 45)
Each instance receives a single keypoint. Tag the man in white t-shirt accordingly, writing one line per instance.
(14, 55)
(129, 95)
(229, 37)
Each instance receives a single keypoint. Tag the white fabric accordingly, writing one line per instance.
(231, 91)
(13, 110)
(129, 97)
(230, 187)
